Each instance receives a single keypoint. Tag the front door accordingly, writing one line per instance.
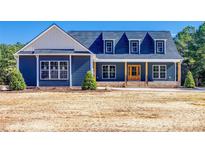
(134, 72)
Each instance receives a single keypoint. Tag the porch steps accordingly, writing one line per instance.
(134, 84)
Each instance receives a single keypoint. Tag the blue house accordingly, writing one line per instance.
(116, 58)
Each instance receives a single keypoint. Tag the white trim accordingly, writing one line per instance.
(109, 71)
(91, 64)
(49, 70)
(70, 69)
(44, 32)
(53, 54)
(175, 73)
(138, 60)
(37, 71)
(159, 72)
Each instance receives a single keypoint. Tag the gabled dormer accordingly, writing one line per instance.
(160, 46)
(134, 46)
(109, 46)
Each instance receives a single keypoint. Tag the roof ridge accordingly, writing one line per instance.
(118, 31)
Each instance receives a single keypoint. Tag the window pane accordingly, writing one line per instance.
(54, 74)
(162, 72)
(112, 71)
(45, 65)
(54, 66)
(156, 75)
(162, 75)
(105, 72)
(134, 72)
(63, 66)
(156, 69)
(44, 74)
(160, 46)
(54, 70)
(64, 74)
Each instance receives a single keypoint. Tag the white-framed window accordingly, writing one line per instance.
(108, 46)
(54, 70)
(159, 71)
(45, 70)
(160, 46)
(108, 71)
(134, 46)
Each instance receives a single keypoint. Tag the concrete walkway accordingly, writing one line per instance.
(158, 89)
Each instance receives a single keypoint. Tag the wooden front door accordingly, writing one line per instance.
(134, 72)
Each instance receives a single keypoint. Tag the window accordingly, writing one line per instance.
(159, 71)
(108, 71)
(108, 46)
(134, 46)
(63, 70)
(44, 70)
(54, 70)
(160, 47)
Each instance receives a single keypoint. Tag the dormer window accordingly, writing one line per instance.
(109, 46)
(160, 46)
(134, 46)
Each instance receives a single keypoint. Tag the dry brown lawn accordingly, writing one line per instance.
(102, 111)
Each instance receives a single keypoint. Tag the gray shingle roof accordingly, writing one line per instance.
(87, 38)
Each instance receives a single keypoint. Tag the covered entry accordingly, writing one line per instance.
(134, 72)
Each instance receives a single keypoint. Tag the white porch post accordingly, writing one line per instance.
(175, 72)
(37, 70)
(91, 64)
(70, 69)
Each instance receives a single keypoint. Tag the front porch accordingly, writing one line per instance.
(139, 74)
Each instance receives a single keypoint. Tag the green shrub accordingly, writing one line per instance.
(189, 81)
(89, 82)
(16, 81)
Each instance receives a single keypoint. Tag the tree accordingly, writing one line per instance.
(190, 43)
(16, 81)
(89, 82)
(7, 61)
(189, 82)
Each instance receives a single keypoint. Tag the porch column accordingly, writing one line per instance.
(175, 72)
(70, 69)
(125, 73)
(179, 73)
(91, 65)
(146, 73)
(37, 70)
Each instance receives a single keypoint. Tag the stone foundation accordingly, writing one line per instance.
(141, 84)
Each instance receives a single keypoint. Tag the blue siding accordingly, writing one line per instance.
(122, 46)
(27, 66)
(80, 66)
(53, 82)
(97, 46)
(119, 71)
(142, 69)
(147, 45)
(170, 71)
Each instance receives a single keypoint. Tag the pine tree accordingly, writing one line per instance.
(89, 82)
(189, 81)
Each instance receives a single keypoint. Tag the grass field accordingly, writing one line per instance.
(102, 111)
